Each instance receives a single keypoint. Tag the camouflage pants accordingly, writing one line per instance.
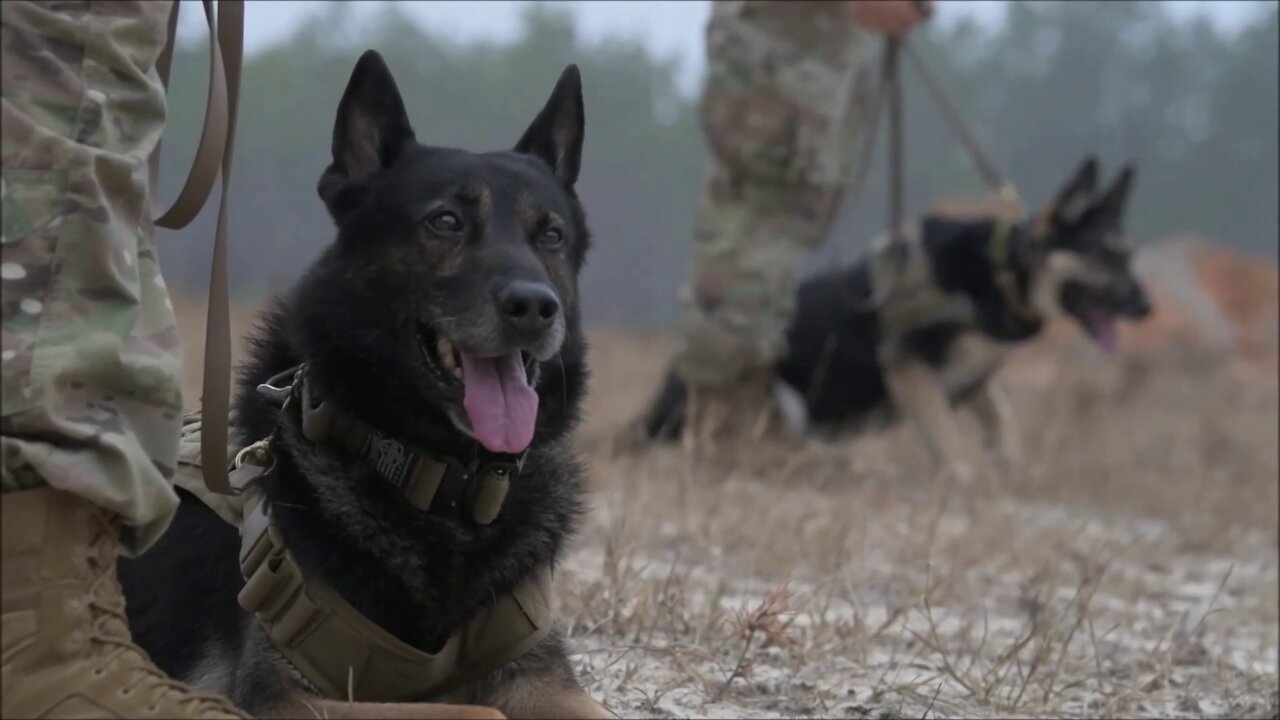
(91, 403)
(785, 97)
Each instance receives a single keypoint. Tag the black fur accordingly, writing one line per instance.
(835, 342)
(364, 316)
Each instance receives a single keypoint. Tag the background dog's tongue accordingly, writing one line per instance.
(1103, 329)
(501, 405)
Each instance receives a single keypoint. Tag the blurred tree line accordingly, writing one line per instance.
(1196, 110)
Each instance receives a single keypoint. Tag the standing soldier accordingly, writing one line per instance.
(92, 407)
(784, 101)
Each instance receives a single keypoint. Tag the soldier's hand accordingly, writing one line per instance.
(890, 17)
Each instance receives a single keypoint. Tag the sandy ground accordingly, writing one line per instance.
(1128, 567)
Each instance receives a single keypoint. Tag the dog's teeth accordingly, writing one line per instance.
(444, 351)
(457, 372)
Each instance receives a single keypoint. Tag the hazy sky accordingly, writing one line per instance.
(669, 28)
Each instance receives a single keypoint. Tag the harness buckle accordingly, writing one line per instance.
(258, 453)
(1009, 194)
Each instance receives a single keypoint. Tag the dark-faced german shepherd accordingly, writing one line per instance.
(969, 291)
(445, 319)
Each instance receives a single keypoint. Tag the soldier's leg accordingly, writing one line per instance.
(91, 404)
(784, 100)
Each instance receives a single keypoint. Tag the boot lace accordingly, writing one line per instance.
(110, 627)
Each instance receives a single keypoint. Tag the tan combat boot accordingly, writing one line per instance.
(743, 411)
(67, 651)
(737, 413)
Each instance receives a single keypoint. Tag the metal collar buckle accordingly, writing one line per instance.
(275, 388)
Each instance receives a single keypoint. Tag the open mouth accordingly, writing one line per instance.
(1100, 326)
(497, 392)
(1098, 321)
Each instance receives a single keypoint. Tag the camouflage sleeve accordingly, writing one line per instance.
(786, 91)
(91, 400)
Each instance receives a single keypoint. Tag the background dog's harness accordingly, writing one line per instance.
(335, 647)
(902, 293)
(1004, 270)
(911, 299)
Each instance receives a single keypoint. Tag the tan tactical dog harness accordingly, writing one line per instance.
(338, 650)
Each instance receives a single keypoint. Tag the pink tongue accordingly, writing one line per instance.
(1103, 329)
(501, 405)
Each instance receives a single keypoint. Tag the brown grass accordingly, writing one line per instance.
(1129, 568)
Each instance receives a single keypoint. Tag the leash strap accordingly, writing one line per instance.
(216, 398)
(213, 155)
(893, 50)
(951, 113)
(896, 253)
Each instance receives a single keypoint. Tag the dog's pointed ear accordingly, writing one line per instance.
(1077, 195)
(555, 135)
(371, 130)
(1113, 201)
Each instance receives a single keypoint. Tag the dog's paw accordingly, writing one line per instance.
(968, 473)
(1009, 462)
(792, 408)
(962, 473)
(1009, 445)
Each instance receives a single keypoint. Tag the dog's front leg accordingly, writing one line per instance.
(918, 394)
(540, 684)
(530, 697)
(1000, 433)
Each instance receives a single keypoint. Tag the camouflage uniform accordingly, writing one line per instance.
(91, 403)
(786, 93)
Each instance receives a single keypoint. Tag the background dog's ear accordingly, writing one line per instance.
(1077, 195)
(371, 130)
(1112, 203)
(555, 135)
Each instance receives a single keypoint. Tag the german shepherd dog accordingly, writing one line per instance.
(986, 287)
(444, 316)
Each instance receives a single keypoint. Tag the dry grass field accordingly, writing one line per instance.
(1127, 568)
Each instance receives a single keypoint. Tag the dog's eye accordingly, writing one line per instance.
(551, 238)
(445, 221)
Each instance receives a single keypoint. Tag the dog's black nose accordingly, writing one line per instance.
(528, 306)
(1139, 305)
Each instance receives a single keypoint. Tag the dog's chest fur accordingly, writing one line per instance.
(969, 360)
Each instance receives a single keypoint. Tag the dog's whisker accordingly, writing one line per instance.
(564, 380)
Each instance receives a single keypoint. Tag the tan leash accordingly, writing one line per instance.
(213, 155)
(889, 99)
(951, 113)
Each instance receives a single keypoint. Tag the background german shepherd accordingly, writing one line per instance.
(445, 315)
(985, 289)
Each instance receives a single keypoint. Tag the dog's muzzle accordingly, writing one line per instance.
(1136, 304)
